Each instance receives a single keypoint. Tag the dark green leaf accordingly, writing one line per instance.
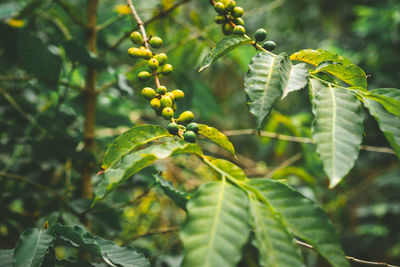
(337, 128)
(32, 246)
(7, 258)
(121, 256)
(179, 198)
(217, 137)
(130, 140)
(388, 123)
(136, 161)
(222, 48)
(275, 244)
(303, 218)
(217, 226)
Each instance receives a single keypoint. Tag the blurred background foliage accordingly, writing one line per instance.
(43, 65)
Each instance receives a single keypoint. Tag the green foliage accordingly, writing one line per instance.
(217, 137)
(32, 246)
(222, 48)
(388, 123)
(336, 65)
(337, 128)
(217, 226)
(54, 83)
(130, 140)
(270, 77)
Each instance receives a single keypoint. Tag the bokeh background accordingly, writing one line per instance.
(44, 62)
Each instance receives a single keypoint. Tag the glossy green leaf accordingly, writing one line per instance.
(130, 140)
(78, 237)
(345, 70)
(388, 122)
(276, 246)
(7, 258)
(136, 161)
(227, 168)
(223, 47)
(217, 226)
(303, 218)
(390, 103)
(298, 79)
(179, 198)
(32, 247)
(269, 77)
(337, 128)
(120, 256)
(113, 254)
(217, 137)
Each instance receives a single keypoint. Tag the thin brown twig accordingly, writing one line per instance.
(161, 14)
(284, 164)
(154, 232)
(28, 181)
(21, 111)
(27, 78)
(72, 14)
(351, 258)
(296, 139)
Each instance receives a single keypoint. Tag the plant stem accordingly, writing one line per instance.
(90, 100)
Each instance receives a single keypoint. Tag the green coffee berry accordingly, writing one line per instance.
(136, 38)
(173, 128)
(237, 12)
(269, 45)
(166, 69)
(178, 94)
(186, 117)
(168, 113)
(155, 42)
(166, 101)
(220, 19)
(134, 52)
(260, 35)
(239, 30)
(155, 103)
(148, 93)
(238, 21)
(194, 127)
(161, 58)
(230, 5)
(144, 75)
(189, 136)
(220, 8)
(153, 64)
(227, 28)
(161, 90)
(147, 54)
(170, 95)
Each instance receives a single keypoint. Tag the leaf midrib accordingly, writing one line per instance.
(333, 131)
(214, 227)
(266, 86)
(34, 252)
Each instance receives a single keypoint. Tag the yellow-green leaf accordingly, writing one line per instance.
(217, 137)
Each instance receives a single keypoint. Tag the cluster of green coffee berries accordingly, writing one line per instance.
(260, 36)
(161, 100)
(229, 17)
(155, 62)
